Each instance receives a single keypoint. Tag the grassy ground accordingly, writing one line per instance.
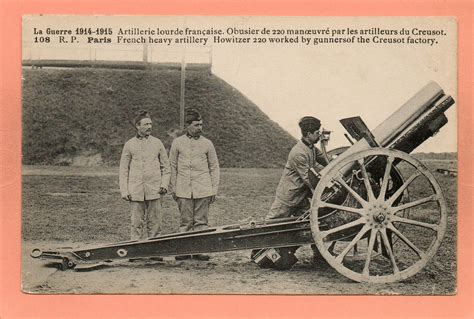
(88, 208)
(77, 205)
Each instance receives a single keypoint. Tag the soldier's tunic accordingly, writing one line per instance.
(294, 187)
(144, 168)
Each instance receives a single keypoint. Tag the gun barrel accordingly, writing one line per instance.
(414, 122)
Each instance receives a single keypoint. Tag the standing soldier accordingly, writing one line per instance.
(194, 176)
(144, 178)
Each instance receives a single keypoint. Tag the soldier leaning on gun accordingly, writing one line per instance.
(294, 189)
(144, 178)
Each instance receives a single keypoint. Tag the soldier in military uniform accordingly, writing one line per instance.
(194, 176)
(144, 176)
(294, 189)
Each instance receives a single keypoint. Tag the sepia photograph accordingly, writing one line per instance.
(239, 155)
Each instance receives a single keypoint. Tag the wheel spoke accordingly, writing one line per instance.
(358, 211)
(414, 222)
(373, 235)
(365, 176)
(386, 242)
(431, 198)
(420, 253)
(386, 175)
(399, 191)
(342, 227)
(354, 241)
(350, 190)
(379, 243)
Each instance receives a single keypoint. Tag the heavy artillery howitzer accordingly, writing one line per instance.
(377, 214)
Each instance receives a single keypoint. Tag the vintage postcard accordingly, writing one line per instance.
(239, 155)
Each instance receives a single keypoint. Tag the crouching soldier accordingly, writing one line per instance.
(294, 190)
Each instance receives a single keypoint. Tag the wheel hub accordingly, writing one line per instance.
(379, 217)
(380, 214)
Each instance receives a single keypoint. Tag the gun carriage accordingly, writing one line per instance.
(377, 215)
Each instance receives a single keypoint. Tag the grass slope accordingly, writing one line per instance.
(72, 112)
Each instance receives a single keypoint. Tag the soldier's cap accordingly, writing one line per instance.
(309, 122)
(140, 115)
(191, 115)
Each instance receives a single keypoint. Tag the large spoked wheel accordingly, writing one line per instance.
(382, 243)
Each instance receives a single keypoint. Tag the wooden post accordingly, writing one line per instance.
(145, 52)
(210, 56)
(210, 60)
(183, 84)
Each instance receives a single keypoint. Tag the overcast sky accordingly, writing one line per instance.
(290, 81)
